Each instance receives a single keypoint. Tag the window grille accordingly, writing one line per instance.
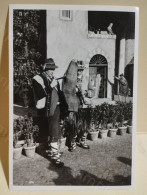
(98, 60)
(65, 14)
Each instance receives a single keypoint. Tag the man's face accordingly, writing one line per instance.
(50, 72)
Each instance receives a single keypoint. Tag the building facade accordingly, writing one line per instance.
(103, 55)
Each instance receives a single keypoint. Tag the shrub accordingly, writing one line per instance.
(23, 128)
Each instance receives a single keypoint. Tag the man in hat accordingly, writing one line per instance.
(123, 87)
(47, 102)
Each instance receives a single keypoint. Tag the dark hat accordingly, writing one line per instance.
(49, 64)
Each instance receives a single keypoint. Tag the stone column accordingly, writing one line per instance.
(122, 56)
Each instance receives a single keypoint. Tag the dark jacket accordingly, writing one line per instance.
(42, 88)
(53, 96)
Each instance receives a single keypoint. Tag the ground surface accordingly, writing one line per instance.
(108, 162)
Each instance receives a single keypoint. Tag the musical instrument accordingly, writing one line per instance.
(64, 77)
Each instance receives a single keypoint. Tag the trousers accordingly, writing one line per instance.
(53, 125)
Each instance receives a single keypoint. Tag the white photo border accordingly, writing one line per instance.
(71, 7)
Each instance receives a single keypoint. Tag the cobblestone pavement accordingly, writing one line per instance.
(107, 163)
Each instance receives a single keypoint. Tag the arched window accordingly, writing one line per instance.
(98, 60)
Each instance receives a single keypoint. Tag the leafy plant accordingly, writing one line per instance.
(122, 107)
(30, 131)
(103, 116)
(129, 112)
(113, 116)
(27, 52)
(87, 119)
(17, 132)
(25, 129)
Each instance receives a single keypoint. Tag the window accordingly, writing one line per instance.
(65, 15)
(98, 60)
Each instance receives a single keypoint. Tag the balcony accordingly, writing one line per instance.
(101, 35)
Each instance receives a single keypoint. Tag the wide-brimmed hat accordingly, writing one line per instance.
(49, 64)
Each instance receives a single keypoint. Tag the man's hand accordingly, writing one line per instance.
(116, 77)
(54, 83)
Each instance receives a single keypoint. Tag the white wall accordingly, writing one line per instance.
(67, 40)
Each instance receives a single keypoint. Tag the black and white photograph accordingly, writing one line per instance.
(72, 96)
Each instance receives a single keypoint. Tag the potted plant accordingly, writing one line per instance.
(129, 117)
(17, 148)
(30, 132)
(92, 123)
(113, 127)
(129, 127)
(17, 133)
(93, 132)
(103, 120)
(113, 131)
(103, 128)
(122, 128)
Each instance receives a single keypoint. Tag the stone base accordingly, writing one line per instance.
(99, 101)
(128, 99)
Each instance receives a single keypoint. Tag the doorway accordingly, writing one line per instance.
(98, 71)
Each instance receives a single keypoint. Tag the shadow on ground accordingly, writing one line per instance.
(65, 177)
(124, 160)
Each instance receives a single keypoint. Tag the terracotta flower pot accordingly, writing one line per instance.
(122, 130)
(103, 133)
(62, 142)
(93, 135)
(112, 132)
(30, 151)
(129, 129)
(17, 152)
